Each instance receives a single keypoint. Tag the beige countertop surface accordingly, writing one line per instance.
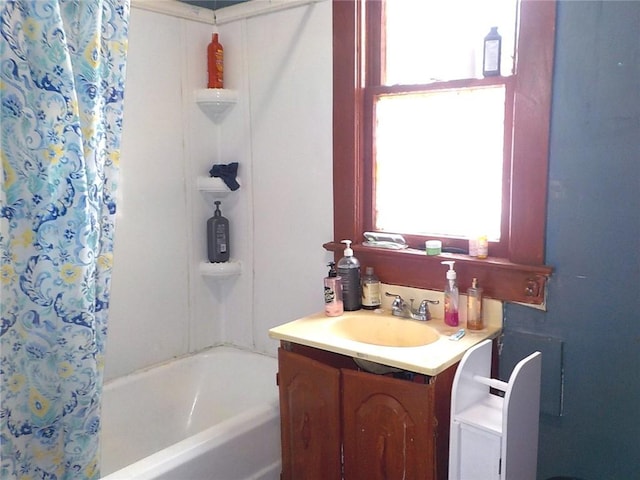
(319, 331)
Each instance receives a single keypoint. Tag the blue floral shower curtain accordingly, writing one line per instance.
(62, 66)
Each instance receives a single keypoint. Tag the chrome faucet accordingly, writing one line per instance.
(400, 308)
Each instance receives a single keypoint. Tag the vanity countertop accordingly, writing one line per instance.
(318, 331)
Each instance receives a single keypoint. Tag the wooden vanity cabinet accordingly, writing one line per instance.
(339, 422)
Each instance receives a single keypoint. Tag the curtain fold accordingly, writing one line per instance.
(62, 72)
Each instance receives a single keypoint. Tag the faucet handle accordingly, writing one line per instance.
(389, 294)
(398, 302)
(423, 309)
(432, 302)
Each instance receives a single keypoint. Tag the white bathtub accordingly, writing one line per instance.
(210, 416)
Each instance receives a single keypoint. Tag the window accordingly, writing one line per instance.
(440, 132)
(438, 162)
(369, 102)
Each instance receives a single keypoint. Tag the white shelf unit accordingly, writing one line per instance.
(216, 102)
(494, 437)
(213, 186)
(231, 268)
(216, 188)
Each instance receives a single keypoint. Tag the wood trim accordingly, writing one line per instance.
(500, 279)
(347, 104)
(532, 111)
(439, 86)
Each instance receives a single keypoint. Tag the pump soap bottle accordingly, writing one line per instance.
(218, 237)
(349, 270)
(451, 296)
(333, 304)
(474, 307)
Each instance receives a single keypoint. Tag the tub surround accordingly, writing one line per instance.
(187, 306)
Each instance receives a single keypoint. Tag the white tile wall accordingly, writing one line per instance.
(149, 304)
(279, 132)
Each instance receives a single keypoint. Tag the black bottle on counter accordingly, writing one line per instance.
(349, 270)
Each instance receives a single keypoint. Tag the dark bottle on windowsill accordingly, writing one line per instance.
(492, 52)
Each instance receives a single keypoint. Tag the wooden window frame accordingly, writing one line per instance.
(520, 275)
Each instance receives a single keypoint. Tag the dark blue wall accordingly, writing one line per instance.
(593, 243)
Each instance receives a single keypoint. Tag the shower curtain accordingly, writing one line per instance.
(62, 68)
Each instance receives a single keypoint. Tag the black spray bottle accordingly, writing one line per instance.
(218, 237)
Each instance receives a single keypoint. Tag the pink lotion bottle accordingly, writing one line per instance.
(333, 304)
(451, 296)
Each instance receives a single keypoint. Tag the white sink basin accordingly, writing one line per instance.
(384, 330)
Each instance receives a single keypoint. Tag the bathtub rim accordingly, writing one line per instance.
(126, 378)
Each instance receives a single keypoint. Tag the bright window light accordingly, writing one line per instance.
(439, 40)
(439, 162)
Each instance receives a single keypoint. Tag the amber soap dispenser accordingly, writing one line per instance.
(474, 307)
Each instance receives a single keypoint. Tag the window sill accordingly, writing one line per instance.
(499, 278)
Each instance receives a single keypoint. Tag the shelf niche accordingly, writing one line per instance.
(220, 270)
(214, 186)
(216, 102)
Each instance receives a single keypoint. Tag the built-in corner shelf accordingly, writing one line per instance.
(214, 186)
(220, 270)
(215, 102)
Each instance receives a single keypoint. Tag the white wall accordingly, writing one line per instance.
(279, 132)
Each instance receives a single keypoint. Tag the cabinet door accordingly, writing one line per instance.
(388, 428)
(479, 454)
(310, 418)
